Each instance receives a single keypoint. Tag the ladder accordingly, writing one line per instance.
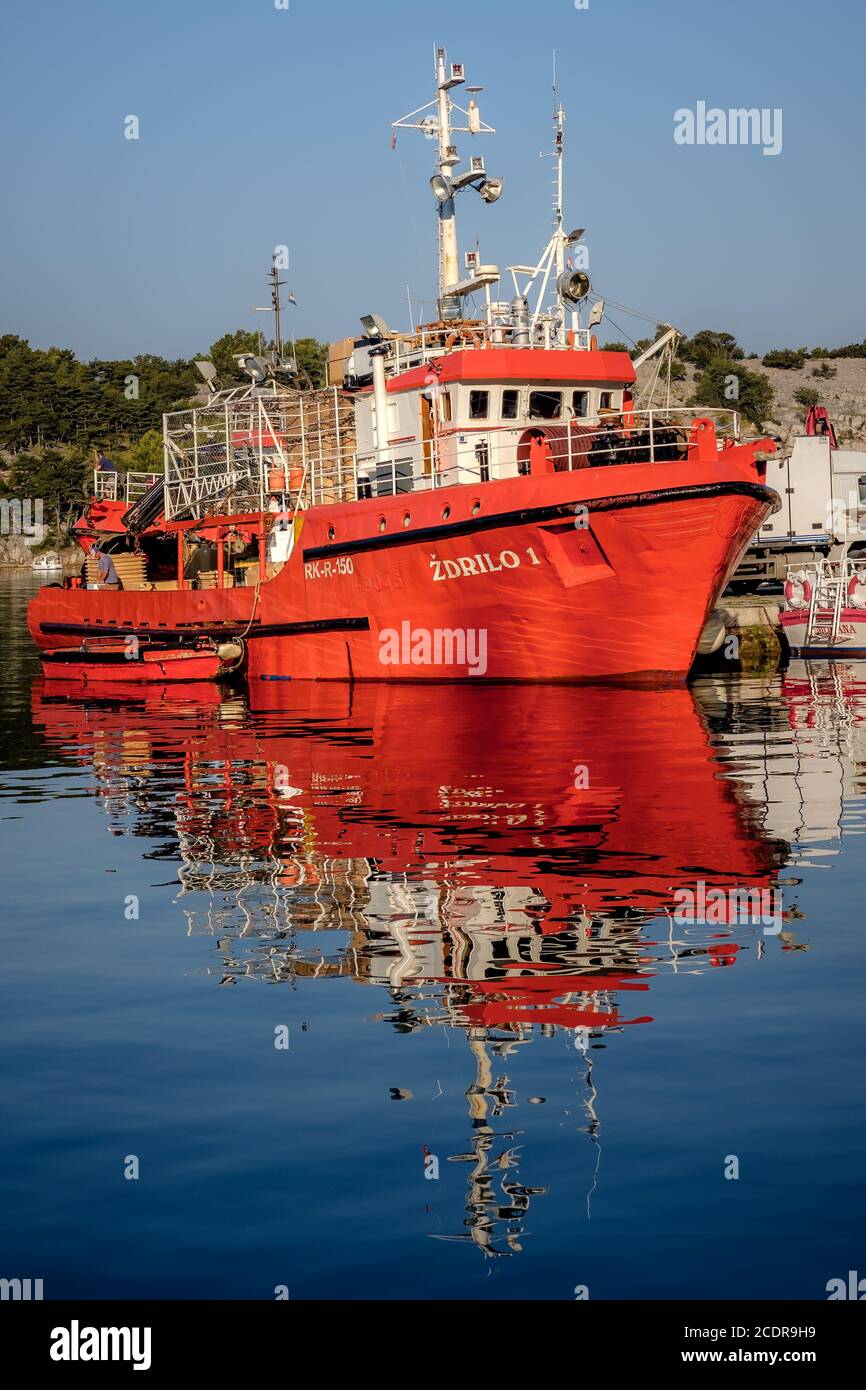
(838, 602)
(828, 596)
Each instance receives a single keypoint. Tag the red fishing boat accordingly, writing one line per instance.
(113, 661)
(481, 497)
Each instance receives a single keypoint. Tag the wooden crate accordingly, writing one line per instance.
(131, 570)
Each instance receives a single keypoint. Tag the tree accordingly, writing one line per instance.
(807, 395)
(850, 350)
(146, 455)
(49, 397)
(55, 477)
(312, 359)
(726, 384)
(707, 344)
(787, 358)
(225, 349)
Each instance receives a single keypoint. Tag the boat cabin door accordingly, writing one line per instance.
(428, 434)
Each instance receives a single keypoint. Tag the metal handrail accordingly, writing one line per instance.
(111, 486)
(299, 447)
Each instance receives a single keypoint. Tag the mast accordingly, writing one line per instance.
(275, 307)
(276, 286)
(569, 286)
(558, 143)
(449, 262)
(436, 120)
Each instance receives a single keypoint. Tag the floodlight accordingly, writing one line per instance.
(491, 190)
(443, 189)
(573, 285)
(374, 325)
(254, 367)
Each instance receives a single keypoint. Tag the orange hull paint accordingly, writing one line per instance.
(551, 591)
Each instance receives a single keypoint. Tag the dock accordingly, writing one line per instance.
(743, 630)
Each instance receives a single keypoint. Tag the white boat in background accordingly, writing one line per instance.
(47, 562)
(824, 611)
(823, 492)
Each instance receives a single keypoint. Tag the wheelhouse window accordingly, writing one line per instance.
(445, 406)
(580, 404)
(605, 400)
(861, 491)
(545, 405)
(510, 404)
(479, 405)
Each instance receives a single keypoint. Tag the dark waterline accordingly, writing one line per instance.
(456, 907)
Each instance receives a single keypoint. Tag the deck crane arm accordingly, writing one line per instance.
(669, 336)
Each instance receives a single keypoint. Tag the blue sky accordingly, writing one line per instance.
(261, 126)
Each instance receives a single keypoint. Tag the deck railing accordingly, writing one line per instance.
(461, 455)
(235, 456)
(109, 486)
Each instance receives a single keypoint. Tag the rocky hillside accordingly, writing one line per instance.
(844, 395)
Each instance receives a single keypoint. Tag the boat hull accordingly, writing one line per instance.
(605, 573)
(850, 640)
(111, 668)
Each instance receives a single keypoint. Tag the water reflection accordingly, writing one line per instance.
(503, 863)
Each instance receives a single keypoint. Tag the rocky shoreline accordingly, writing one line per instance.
(16, 554)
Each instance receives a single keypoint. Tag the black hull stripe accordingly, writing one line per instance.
(236, 630)
(70, 656)
(531, 515)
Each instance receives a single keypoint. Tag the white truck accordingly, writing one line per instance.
(823, 492)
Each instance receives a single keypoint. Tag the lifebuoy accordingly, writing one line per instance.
(798, 592)
(857, 591)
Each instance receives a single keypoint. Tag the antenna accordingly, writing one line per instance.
(441, 127)
(275, 307)
(570, 286)
(276, 286)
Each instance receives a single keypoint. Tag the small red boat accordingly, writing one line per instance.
(113, 660)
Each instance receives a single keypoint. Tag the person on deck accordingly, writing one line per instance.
(104, 464)
(107, 576)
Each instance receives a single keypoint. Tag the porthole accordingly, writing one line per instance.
(476, 507)
(382, 523)
(331, 533)
(446, 512)
(407, 520)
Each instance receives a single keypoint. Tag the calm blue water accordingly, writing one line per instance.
(458, 908)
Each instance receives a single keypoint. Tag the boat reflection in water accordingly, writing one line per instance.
(499, 861)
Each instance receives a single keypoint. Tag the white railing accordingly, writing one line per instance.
(235, 456)
(412, 350)
(109, 486)
(484, 455)
(234, 453)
